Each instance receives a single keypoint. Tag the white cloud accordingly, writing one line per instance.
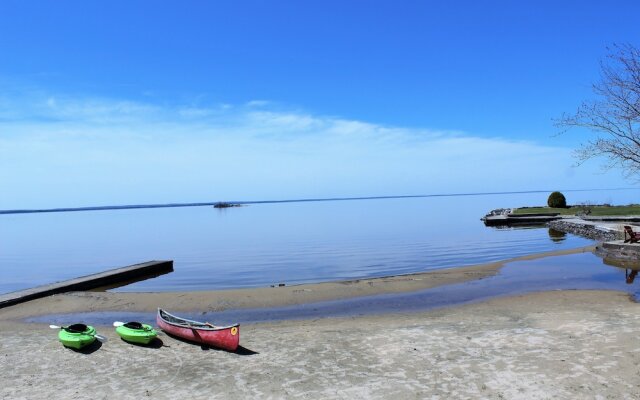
(60, 151)
(257, 103)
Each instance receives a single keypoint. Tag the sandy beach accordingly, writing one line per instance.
(358, 200)
(560, 344)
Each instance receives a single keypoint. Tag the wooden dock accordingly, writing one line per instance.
(519, 219)
(111, 278)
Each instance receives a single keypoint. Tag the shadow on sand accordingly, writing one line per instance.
(241, 350)
(154, 344)
(91, 348)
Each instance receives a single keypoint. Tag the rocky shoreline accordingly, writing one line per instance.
(612, 247)
(587, 229)
(608, 230)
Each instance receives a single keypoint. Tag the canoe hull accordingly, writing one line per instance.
(226, 338)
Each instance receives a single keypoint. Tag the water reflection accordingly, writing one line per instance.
(630, 275)
(631, 268)
(517, 227)
(557, 236)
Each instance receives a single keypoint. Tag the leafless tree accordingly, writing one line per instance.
(614, 116)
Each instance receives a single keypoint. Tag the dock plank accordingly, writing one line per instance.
(102, 279)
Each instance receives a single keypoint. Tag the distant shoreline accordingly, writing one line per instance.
(212, 203)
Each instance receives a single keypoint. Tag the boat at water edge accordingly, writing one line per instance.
(222, 337)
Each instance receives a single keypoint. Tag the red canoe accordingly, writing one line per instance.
(223, 337)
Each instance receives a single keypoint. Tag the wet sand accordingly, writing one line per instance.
(560, 344)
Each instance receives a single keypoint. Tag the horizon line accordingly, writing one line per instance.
(307, 200)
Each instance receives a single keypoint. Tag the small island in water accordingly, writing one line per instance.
(223, 204)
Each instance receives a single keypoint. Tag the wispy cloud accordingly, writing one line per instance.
(258, 103)
(83, 151)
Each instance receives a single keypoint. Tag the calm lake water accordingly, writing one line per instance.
(266, 244)
(575, 271)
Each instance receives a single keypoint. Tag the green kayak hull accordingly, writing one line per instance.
(77, 340)
(143, 335)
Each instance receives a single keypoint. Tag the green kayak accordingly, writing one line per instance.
(136, 332)
(77, 336)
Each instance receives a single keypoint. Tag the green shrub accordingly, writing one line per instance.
(557, 200)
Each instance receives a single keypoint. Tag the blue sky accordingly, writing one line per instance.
(124, 102)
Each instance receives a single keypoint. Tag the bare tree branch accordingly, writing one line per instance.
(614, 116)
